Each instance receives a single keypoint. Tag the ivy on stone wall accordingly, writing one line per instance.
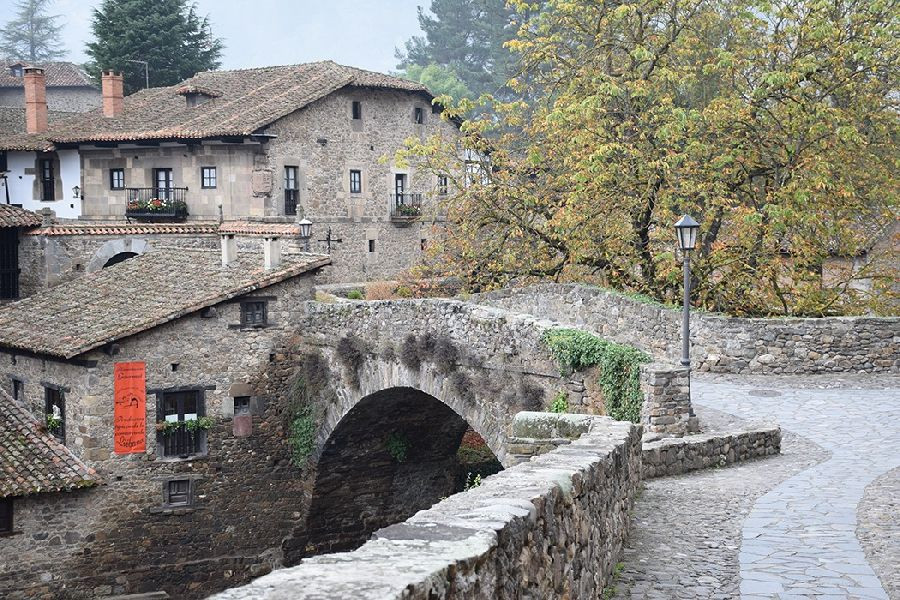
(619, 366)
(306, 385)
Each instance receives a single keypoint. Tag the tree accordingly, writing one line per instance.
(442, 81)
(773, 122)
(168, 34)
(467, 37)
(32, 35)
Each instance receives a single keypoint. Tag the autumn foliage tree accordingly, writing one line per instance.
(773, 123)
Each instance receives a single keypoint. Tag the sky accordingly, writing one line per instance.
(361, 33)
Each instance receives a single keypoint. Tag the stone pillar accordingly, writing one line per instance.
(271, 253)
(229, 249)
(667, 406)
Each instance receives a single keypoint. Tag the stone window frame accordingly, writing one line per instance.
(357, 180)
(245, 403)
(168, 492)
(117, 178)
(203, 442)
(418, 115)
(246, 311)
(209, 177)
(46, 176)
(7, 516)
(371, 246)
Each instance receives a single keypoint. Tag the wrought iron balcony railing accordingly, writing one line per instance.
(156, 203)
(406, 207)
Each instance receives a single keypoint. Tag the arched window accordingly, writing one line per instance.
(120, 257)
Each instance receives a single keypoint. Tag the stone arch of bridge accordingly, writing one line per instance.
(393, 453)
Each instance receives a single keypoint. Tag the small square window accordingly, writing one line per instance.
(117, 179)
(443, 185)
(418, 115)
(208, 178)
(253, 313)
(371, 245)
(242, 405)
(177, 492)
(355, 181)
(6, 515)
(357, 110)
(423, 245)
(55, 412)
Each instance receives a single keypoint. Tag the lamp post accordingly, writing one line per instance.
(687, 229)
(305, 232)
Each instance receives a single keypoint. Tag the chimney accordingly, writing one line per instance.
(113, 94)
(35, 100)
(271, 253)
(229, 249)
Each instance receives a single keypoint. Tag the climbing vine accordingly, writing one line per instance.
(560, 402)
(303, 413)
(619, 366)
(397, 446)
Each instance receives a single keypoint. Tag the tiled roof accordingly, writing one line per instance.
(250, 228)
(13, 216)
(135, 295)
(58, 74)
(125, 229)
(12, 130)
(249, 99)
(33, 461)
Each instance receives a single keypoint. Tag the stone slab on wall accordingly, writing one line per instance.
(553, 527)
(719, 344)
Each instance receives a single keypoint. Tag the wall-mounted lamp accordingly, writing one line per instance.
(76, 192)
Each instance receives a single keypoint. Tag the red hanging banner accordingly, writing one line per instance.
(130, 418)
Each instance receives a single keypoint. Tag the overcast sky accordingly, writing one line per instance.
(362, 33)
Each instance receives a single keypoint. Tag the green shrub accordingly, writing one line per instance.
(398, 446)
(404, 292)
(355, 295)
(302, 435)
(619, 366)
(560, 402)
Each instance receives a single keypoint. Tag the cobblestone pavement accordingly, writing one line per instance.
(774, 528)
(878, 529)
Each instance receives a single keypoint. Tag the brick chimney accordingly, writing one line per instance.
(113, 94)
(35, 100)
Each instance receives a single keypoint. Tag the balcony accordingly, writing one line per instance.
(406, 208)
(156, 203)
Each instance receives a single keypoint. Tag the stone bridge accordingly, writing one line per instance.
(404, 381)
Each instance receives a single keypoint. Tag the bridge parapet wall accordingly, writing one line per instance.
(552, 527)
(720, 343)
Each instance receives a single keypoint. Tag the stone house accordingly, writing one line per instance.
(274, 144)
(13, 222)
(69, 88)
(153, 373)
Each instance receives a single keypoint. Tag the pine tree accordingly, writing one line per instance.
(32, 35)
(467, 36)
(169, 34)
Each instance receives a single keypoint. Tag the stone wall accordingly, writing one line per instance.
(673, 456)
(667, 400)
(121, 538)
(59, 98)
(553, 527)
(719, 344)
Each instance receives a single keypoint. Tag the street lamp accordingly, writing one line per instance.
(76, 192)
(305, 232)
(687, 229)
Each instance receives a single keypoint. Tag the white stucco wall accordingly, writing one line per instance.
(20, 180)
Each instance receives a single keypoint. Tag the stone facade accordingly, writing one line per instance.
(719, 344)
(121, 537)
(553, 527)
(59, 98)
(673, 456)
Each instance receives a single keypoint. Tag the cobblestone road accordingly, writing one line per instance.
(783, 527)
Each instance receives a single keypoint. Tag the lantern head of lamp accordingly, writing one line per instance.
(687, 229)
(76, 192)
(305, 228)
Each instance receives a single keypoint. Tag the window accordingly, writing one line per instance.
(55, 412)
(208, 178)
(242, 405)
(9, 263)
(443, 185)
(177, 492)
(423, 245)
(164, 184)
(6, 515)
(290, 190)
(117, 179)
(357, 110)
(17, 70)
(176, 410)
(418, 115)
(253, 313)
(48, 182)
(355, 181)
(17, 390)
(371, 245)
(3, 164)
